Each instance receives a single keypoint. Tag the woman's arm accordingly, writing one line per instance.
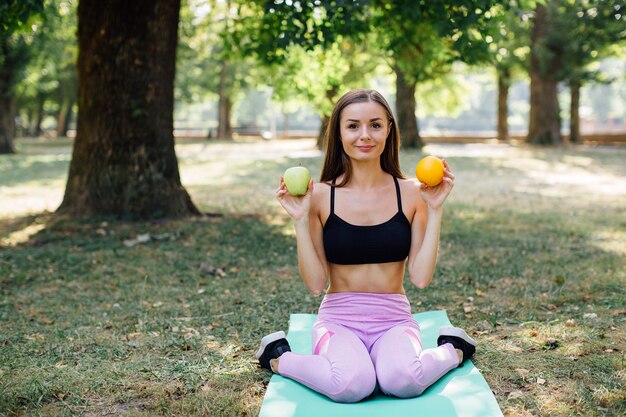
(309, 236)
(425, 229)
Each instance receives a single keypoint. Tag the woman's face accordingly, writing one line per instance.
(364, 129)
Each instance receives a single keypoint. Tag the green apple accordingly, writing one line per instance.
(297, 180)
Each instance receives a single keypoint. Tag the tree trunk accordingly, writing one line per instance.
(68, 118)
(321, 144)
(7, 123)
(544, 124)
(123, 162)
(405, 109)
(224, 129)
(574, 120)
(61, 113)
(285, 124)
(504, 82)
(35, 125)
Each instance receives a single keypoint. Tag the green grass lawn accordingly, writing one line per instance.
(532, 264)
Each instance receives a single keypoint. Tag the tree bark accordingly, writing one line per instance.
(574, 121)
(64, 116)
(504, 82)
(544, 125)
(405, 110)
(225, 104)
(36, 127)
(123, 163)
(7, 123)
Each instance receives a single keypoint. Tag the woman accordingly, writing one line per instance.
(356, 230)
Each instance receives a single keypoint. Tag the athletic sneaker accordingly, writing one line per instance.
(459, 339)
(272, 346)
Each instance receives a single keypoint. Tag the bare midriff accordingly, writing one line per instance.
(385, 278)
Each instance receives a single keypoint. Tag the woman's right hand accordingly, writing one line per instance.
(298, 207)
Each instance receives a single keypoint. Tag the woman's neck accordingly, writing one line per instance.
(367, 175)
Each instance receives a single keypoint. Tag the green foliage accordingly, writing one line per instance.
(318, 76)
(509, 39)
(588, 31)
(274, 26)
(14, 14)
(51, 73)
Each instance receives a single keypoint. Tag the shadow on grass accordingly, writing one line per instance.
(37, 161)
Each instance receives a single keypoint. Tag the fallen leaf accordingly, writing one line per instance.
(541, 381)
(129, 243)
(207, 268)
(515, 395)
(590, 316)
(570, 323)
(522, 372)
(469, 309)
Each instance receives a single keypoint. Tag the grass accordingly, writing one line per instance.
(531, 263)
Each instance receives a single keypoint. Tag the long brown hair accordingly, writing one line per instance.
(336, 161)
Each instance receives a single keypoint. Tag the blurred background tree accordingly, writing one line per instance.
(17, 28)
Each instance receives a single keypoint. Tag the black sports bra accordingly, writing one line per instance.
(348, 244)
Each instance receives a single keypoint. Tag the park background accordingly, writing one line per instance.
(143, 254)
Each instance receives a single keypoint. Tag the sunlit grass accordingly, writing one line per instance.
(531, 264)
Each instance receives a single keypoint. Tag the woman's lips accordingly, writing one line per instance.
(365, 148)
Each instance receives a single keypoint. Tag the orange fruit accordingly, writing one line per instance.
(430, 170)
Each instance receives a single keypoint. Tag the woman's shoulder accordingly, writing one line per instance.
(320, 199)
(409, 185)
(321, 194)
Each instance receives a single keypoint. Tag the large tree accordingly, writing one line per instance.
(123, 162)
(544, 121)
(49, 82)
(509, 50)
(421, 38)
(321, 75)
(594, 30)
(210, 61)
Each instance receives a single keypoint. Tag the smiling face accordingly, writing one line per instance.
(364, 128)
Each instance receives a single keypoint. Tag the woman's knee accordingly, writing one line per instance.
(356, 386)
(399, 383)
(398, 367)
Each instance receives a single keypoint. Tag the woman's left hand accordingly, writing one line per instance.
(435, 196)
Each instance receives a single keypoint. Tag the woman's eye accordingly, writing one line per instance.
(352, 126)
(376, 126)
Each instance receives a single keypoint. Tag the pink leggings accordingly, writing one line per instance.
(360, 339)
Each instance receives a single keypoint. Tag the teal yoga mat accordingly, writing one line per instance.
(462, 392)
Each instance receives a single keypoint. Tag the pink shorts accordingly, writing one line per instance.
(367, 315)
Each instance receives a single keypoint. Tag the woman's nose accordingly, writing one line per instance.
(364, 133)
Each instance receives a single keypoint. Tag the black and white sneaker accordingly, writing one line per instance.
(459, 339)
(272, 346)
